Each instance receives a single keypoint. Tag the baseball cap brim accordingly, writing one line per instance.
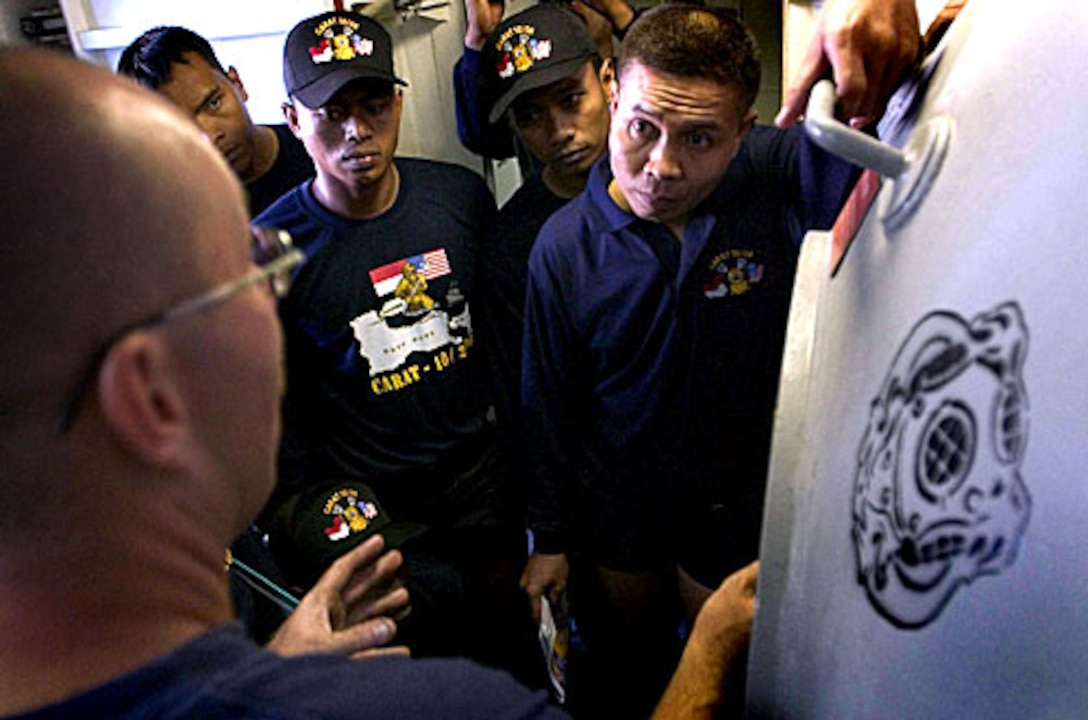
(398, 533)
(538, 77)
(320, 91)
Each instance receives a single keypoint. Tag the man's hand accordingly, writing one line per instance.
(544, 574)
(726, 616)
(350, 609)
(869, 46)
(598, 24)
(620, 15)
(715, 646)
(481, 16)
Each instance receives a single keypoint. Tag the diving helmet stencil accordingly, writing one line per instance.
(938, 496)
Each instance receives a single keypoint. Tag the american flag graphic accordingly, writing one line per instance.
(432, 264)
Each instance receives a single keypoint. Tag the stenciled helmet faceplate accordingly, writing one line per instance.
(938, 496)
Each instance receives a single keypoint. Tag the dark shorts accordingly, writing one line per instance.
(715, 543)
(627, 530)
(719, 527)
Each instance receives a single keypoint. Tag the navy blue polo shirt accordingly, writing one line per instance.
(651, 365)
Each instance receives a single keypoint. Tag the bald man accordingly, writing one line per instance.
(139, 398)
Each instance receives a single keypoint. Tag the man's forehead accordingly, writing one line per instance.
(194, 64)
(361, 90)
(660, 94)
(190, 79)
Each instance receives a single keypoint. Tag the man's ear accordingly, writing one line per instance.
(141, 401)
(236, 81)
(290, 115)
(746, 124)
(610, 82)
(748, 121)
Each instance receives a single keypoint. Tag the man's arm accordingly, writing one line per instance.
(715, 649)
(481, 18)
(550, 368)
(472, 106)
(619, 14)
(470, 102)
(602, 24)
(868, 46)
(351, 608)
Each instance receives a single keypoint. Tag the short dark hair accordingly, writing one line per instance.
(149, 58)
(693, 40)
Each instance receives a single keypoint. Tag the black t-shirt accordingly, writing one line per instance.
(504, 261)
(385, 384)
(291, 168)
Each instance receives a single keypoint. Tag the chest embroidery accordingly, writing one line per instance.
(733, 272)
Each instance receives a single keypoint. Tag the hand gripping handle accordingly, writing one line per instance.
(912, 170)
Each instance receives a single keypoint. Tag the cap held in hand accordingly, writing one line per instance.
(318, 525)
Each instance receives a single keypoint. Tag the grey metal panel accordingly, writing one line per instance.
(947, 390)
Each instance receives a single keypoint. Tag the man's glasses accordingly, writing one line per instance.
(275, 256)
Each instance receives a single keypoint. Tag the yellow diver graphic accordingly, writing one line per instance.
(411, 289)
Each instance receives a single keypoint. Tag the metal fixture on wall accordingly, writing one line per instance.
(405, 9)
(45, 25)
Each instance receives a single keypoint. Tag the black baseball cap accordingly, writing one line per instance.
(324, 53)
(318, 525)
(531, 49)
